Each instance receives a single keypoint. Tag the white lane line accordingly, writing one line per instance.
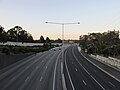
(12, 79)
(97, 82)
(55, 71)
(111, 84)
(42, 61)
(18, 75)
(46, 67)
(101, 68)
(87, 71)
(17, 66)
(84, 82)
(27, 79)
(69, 73)
(41, 79)
(76, 69)
(43, 74)
(80, 64)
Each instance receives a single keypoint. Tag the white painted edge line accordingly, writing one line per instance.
(114, 67)
(101, 68)
(63, 77)
(97, 82)
(84, 82)
(111, 84)
(55, 71)
(87, 71)
(69, 73)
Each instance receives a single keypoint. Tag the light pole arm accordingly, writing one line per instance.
(62, 23)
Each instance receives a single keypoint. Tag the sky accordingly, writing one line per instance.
(31, 15)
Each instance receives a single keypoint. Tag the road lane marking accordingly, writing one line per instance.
(100, 68)
(41, 79)
(87, 71)
(97, 82)
(17, 66)
(55, 71)
(76, 69)
(42, 61)
(111, 84)
(84, 82)
(13, 79)
(27, 79)
(69, 73)
(19, 74)
(46, 67)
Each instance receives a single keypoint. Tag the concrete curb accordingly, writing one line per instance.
(63, 78)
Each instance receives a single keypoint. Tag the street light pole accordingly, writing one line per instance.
(62, 41)
(62, 24)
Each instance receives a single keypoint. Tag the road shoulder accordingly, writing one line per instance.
(113, 72)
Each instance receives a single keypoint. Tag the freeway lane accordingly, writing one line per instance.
(82, 75)
(39, 72)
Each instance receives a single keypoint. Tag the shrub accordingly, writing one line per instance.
(6, 50)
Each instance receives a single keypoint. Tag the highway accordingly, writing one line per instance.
(44, 71)
(80, 74)
(37, 72)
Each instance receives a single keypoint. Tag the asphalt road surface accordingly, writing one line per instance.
(80, 74)
(43, 72)
(37, 72)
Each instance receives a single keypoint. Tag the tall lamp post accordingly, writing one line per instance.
(62, 24)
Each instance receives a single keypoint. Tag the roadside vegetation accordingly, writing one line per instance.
(10, 54)
(106, 44)
(18, 34)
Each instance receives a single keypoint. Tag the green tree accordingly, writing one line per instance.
(58, 41)
(20, 35)
(106, 43)
(30, 38)
(3, 35)
(47, 40)
(13, 33)
(42, 40)
(18, 29)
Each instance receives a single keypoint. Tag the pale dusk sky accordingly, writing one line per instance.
(31, 15)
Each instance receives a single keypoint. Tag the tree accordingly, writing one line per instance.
(3, 35)
(22, 36)
(19, 35)
(42, 39)
(30, 38)
(13, 33)
(58, 41)
(18, 29)
(101, 43)
(47, 40)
